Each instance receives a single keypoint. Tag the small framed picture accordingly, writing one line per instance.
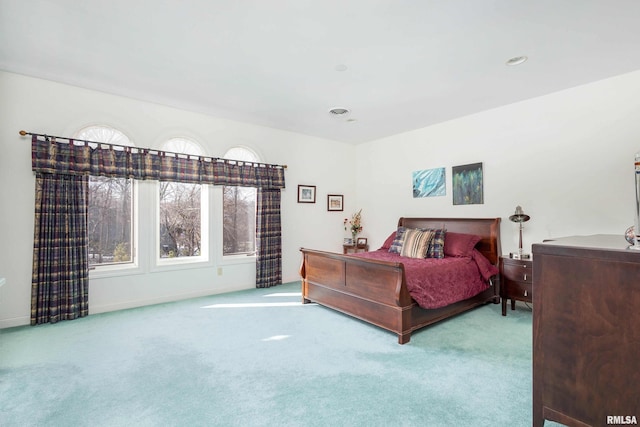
(348, 241)
(334, 202)
(306, 193)
(362, 241)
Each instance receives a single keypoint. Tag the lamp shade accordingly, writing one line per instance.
(519, 215)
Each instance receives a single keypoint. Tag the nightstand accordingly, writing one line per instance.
(354, 248)
(516, 278)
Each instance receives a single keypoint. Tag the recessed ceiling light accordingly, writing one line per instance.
(339, 112)
(341, 67)
(516, 60)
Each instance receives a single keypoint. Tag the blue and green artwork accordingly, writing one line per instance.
(467, 184)
(429, 183)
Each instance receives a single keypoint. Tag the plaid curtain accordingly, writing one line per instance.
(268, 239)
(60, 274)
(60, 257)
(85, 158)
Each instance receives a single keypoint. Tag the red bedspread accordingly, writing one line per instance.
(435, 283)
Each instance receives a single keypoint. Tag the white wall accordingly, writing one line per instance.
(41, 106)
(566, 158)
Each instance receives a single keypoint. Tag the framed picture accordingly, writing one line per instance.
(429, 183)
(362, 241)
(467, 184)
(334, 202)
(347, 241)
(306, 193)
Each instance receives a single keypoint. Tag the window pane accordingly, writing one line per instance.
(110, 215)
(181, 210)
(239, 211)
(180, 219)
(239, 222)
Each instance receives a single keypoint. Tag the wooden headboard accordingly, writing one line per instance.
(487, 228)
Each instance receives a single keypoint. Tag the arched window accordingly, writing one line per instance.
(111, 207)
(182, 211)
(239, 211)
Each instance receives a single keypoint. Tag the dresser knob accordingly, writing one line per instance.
(525, 293)
(525, 276)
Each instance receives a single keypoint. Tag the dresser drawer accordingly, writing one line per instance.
(518, 272)
(518, 290)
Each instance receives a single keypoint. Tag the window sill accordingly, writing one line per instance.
(183, 263)
(237, 259)
(105, 271)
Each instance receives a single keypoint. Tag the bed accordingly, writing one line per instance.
(376, 290)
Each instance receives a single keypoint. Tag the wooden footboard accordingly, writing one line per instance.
(373, 291)
(376, 291)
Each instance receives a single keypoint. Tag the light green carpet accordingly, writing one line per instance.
(260, 358)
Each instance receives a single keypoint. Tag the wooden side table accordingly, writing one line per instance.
(516, 279)
(354, 248)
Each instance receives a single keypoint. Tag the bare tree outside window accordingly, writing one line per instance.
(180, 210)
(110, 224)
(110, 210)
(180, 219)
(239, 211)
(239, 221)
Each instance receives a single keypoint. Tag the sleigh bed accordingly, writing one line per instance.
(373, 286)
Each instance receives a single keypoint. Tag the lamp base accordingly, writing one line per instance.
(518, 255)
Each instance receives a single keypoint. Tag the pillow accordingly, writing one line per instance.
(396, 246)
(459, 244)
(387, 243)
(415, 243)
(436, 247)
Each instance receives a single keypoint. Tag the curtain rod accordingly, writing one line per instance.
(47, 137)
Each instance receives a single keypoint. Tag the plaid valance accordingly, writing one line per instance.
(87, 158)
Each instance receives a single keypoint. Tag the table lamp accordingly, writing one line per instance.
(520, 217)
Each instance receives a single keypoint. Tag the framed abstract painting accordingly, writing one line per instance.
(467, 183)
(429, 183)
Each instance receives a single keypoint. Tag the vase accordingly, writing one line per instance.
(354, 236)
(630, 235)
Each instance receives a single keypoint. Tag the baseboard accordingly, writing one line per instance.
(16, 321)
(125, 305)
(106, 308)
(294, 278)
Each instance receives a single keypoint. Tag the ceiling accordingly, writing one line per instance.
(405, 64)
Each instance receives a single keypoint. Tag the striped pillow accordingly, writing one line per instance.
(415, 243)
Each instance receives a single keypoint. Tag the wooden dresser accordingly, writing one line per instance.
(586, 331)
